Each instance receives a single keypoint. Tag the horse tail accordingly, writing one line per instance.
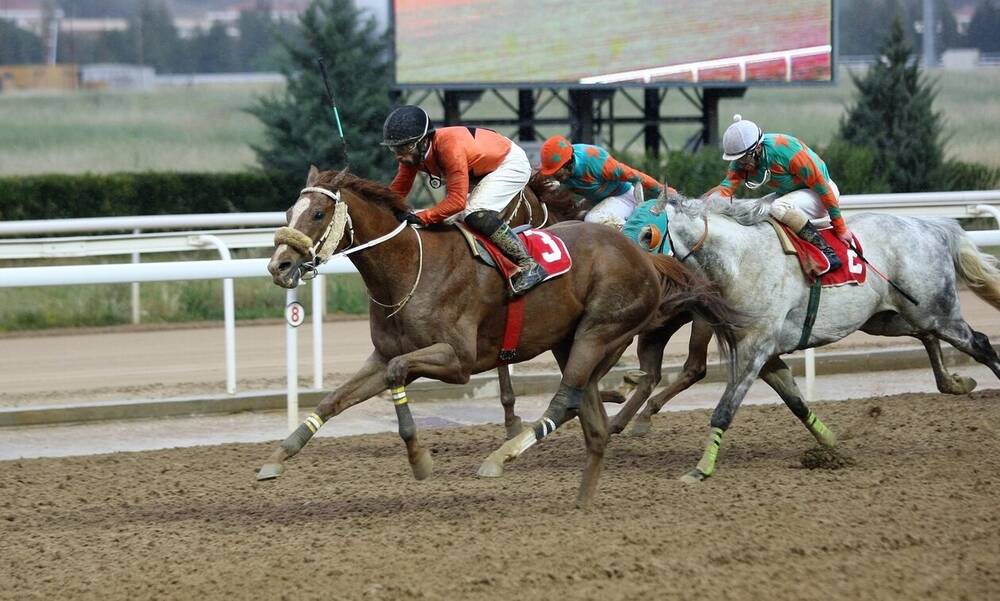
(561, 203)
(978, 270)
(685, 291)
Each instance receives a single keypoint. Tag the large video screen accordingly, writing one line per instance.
(626, 42)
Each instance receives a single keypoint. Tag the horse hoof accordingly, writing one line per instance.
(693, 477)
(270, 471)
(490, 469)
(640, 429)
(965, 384)
(515, 428)
(423, 467)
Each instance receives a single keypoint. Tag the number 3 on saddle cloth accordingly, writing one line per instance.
(545, 247)
(852, 270)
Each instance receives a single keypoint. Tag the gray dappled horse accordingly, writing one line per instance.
(734, 247)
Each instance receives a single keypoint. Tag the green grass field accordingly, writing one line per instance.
(205, 129)
(173, 129)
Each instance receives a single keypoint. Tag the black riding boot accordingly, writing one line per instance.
(810, 234)
(490, 224)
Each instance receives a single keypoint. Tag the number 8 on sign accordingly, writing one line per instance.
(295, 314)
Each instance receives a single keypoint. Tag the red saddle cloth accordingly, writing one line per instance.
(545, 247)
(550, 252)
(814, 263)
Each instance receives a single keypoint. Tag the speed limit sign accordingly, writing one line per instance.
(295, 314)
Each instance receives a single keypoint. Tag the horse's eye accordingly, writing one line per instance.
(318, 215)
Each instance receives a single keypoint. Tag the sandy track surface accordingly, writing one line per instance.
(916, 517)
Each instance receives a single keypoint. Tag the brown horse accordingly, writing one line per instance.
(444, 312)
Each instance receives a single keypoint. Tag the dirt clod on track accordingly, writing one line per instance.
(917, 516)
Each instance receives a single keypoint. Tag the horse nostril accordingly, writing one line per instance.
(284, 266)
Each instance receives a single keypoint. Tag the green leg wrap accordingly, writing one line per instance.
(707, 463)
(819, 430)
(298, 439)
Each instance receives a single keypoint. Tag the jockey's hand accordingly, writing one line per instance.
(846, 237)
(409, 217)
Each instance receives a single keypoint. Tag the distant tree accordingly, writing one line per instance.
(18, 46)
(152, 33)
(97, 8)
(894, 116)
(299, 128)
(984, 28)
(862, 23)
(213, 51)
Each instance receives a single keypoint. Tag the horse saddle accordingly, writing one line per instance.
(545, 247)
(815, 264)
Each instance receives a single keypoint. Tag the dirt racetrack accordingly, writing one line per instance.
(917, 517)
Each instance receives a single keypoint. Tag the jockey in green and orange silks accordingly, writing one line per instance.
(614, 188)
(804, 192)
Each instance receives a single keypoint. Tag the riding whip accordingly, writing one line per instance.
(333, 105)
(891, 283)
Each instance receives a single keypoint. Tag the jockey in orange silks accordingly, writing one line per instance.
(615, 188)
(457, 154)
(802, 185)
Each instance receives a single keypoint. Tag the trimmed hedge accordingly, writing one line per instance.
(163, 193)
(155, 193)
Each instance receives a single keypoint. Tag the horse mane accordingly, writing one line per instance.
(369, 190)
(561, 203)
(745, 212)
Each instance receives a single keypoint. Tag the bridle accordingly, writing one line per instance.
(322, 250)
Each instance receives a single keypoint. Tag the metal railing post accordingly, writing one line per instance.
(318, 308)
(292, 365)
(136, 308)
(228, 308)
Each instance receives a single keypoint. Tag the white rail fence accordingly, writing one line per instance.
(944, 204)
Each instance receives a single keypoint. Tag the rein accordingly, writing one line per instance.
(698, 244)
(322, 250)
(522, 200)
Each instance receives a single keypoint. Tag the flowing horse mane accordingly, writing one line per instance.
(744, 212)
(369, 190)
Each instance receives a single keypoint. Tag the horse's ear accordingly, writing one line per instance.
(313, 176)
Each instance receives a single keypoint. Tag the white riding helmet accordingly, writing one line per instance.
(740, 138)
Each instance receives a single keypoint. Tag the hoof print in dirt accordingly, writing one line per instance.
(825, 458)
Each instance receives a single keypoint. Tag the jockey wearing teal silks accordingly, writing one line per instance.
(590, 171)
(797, 175)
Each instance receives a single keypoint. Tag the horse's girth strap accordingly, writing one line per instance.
(294, 238)
(512, 330)
(811, 310)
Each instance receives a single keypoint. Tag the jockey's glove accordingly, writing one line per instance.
(409, 217)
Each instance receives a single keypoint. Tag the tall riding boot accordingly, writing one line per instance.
(530, 272)
(810, 234)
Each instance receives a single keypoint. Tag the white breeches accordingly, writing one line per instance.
(806, 201)
(497, 189)
(613, 210)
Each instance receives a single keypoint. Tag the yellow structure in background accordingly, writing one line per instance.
(39, 77)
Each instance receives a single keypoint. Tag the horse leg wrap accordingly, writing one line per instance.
(567, 399)
(819, 430)
(298, 439)
(407, 429)
(708, 458)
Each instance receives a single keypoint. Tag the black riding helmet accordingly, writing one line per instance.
(405, 125)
